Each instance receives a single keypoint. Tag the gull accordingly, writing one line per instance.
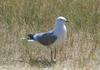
(56, 35)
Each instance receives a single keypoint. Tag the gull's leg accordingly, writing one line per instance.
(55, 50)
(51, 54)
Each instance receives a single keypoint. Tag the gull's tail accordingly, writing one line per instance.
(29, 38)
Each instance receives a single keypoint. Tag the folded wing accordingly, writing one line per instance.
(46, 38)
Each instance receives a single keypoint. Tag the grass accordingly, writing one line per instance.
(20, 17)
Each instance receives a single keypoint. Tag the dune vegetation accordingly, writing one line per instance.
(20, 17)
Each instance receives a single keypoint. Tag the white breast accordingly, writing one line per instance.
(61, 32)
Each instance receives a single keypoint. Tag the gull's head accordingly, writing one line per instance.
(61, 19)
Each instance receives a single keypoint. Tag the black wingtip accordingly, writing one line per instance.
(30, 36)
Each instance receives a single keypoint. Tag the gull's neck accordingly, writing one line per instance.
(59, 28)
